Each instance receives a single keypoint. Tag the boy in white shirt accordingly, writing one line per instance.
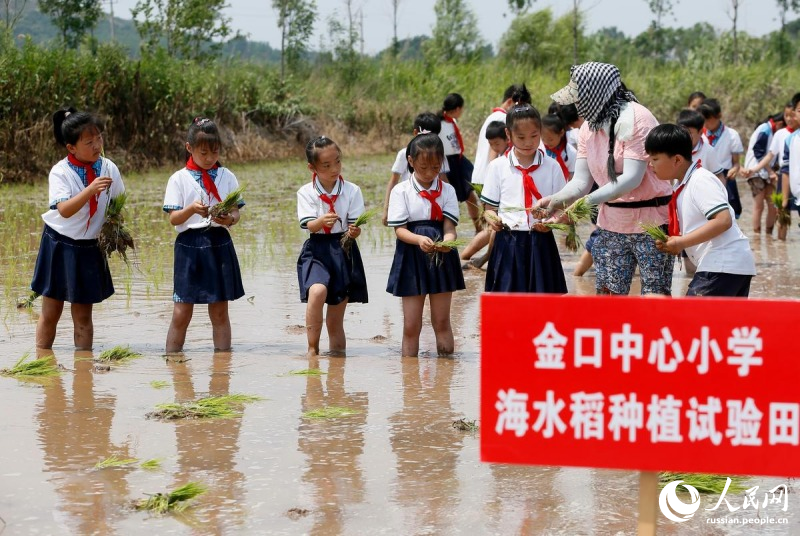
(728, 145)
(702, 151)
(701, 221)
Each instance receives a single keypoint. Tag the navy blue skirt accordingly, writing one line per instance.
(414, 272)
(523, 261)
(322, 260)
(460, 175)
(206, 267)
(71, 270)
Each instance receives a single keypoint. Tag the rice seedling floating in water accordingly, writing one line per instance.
(27, 303)
(118, 354)
(580, 210)
(151, 465)
(784, 218)
(437, 256)
(113, 461)
(307, 372)
(348, 241)
(329, 412)
(230, 202)
(159, 384)
(114, 235)
(464, 425)
(655, 231)
(174, 501)
(704, 483)
(43, 367)
(212, 407)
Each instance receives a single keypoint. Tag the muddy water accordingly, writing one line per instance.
(396, 466)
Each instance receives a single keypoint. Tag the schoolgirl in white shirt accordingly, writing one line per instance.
(702, 152)
(728, 145)
(461, 169)
(70, 266)
(554, 137)
(522, 260)
(206, 268)
(423, 211)
(328, 207)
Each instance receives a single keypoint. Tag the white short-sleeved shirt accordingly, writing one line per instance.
(449, 138)
(185, 187)
(572, 137)
(406, 205)
(777, 145)
(791, 163)
(727, 144)
(349, 204)
(401, 165)
(569, 155)
(704, 153)
(703, 197)
(482, 153)
(504, 187)
(757, 148)
(64, 184)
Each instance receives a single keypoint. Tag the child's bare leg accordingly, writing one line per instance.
(316, 301)
(440, 318)
(220, 325)
(334, 321)
(82, 323)
(477, 243)
(473, 210)
(176, 336)
(48, 320)
(584, 263)
(480, 261)
(412, 324)
(772, 210)
(758, 210)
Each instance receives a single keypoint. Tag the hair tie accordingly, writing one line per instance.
(200, 121)
(423, 131)
(66, 114)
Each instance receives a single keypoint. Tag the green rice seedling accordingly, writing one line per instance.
(230, 202)
(27, 303)
(114, 235)
(784, 218)
(212, 407)
(464, 425)
(151, 464)
(118, 354)
(563, 227)
(490, 218)
(348, 241)
(43, 367)
(159, 384)
(478, 189)
(655, 231)
(174, 501)
(329, 412)
(307, 372)
(437, 256)
(113, 461)
(704, 483)
(580, 210)
(572, 240)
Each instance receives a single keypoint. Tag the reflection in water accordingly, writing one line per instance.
(207, 450)
(426, 445)
(75, 433)
(332, 446)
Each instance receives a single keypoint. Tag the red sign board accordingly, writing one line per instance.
(654, 384)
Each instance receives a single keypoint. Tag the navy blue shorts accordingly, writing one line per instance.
(719, 284)
(460, 176)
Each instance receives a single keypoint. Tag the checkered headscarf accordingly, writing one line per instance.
(601, 92)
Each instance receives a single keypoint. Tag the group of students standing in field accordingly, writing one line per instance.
(597, 145)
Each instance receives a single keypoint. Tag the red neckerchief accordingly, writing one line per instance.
(329, 200)
(713, 137)
(557, 151)
(528, 185)
(789, 129)
(772, 125)
(452, 121)
(499, 110)
(674, 223)
(436, 210)
(699, 161)
(90, 177)
(508, 149)
(208, 184)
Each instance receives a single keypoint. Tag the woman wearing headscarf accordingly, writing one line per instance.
(611, 153)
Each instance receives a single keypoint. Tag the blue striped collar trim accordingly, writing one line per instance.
(198, 176)
(321, 191)
(435, 185)
(688, 175)
(513, 161)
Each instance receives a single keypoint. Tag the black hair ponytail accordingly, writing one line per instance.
(69, 124)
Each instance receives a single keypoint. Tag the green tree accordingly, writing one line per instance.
(73, 18)
(784, 45)
(536, 40)
(186, 28)
(660, 9)
(12, 11)
(296, 21)
(520, 6)
(455, 36)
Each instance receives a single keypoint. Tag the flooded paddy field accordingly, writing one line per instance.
(392, 464)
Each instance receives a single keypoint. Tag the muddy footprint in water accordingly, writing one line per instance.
(296, 329)
(296, 513)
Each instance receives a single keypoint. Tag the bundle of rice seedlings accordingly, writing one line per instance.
(113, 461)
(580, 210)
(151, 465)
(478, 189)
(43, 367)
(348, 241)
(114, 235)
(490, 218)
(437, 256)
(703, 482)
(211, 407)
(784, 218)
(118, 354)
(230, 202)
(27, 303)
(307, 372)
(159, 384)
(655, 231)
(465, 425)
(174, 501)
(329, 412)
(572, 240)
